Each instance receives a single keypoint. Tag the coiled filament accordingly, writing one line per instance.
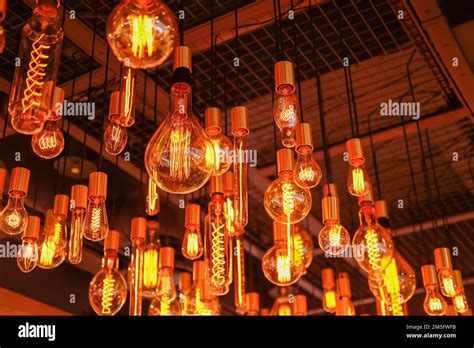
(358, 180)
(288, 203)
(373, 253)
(180, 157)
(218, 255)
(107, 295)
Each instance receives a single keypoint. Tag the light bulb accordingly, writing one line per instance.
(329, 292)
(164, 309)
(221, 144)
(78, 213)
(239, 276)
(49, 142)
(344, 305)
(199, 300)
(307, 172)
(192, 241)
(108, 288)
(278, 262)
(229, 212)
(286, 108)
(14, 218)
(358, 183)
(459, 300)
(253, 303)
(137, 235)
(28, 252)
(285, 201)
(142, 33)
(40, 51)
(96, 225)
(445, 271)
(184, 288)
(150, 260)
(179, 156)
(303, 247)
(218, 244)
(240, 131)
(122, 102)
(373, 244)
(300, 305)
(434, 304)
(152, 199)
(115, 138)
(166, 289)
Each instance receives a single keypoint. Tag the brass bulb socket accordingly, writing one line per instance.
(217, 184)
(330, 208)
(330, 190)
(19, 181)
(213, 120)
(112, 241)
(199, 270)
(355, 151)
(166, 257)
(57, 98)
(429, 275)
(304, 138)
(205, 288)
(367, 197)
(182, 58)
(192, 215)
(138, 229)
(184, 281)
(79, 194)
(61, 205)
(264, 312)
(48, 218)
(300, 306)
(153, 225)
(285, 160)
(239, 116)
(253, 302)
(458, 279)
(284, 75)
(327, 277)
(32, 228)
(442, 258)
(280, 230)
(381, 209)
(98, 184)
(228, 179)
(3, 176)
(47, 91)
(114, 106)
(344, 285)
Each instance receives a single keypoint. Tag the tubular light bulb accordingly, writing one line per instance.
(307, 172)
(286, 108)
(108, 288)
(115, 134)
(142, 33)
(445, 271)
(218, 244)
(14, 218)
(137, 235)
(253, 303)
(179, 156)
(278, 262)
(285, 201)
(150, 260)
(344, 305)
(40, 51)
(303, 246)
(358, 182)
(192, 241)
(78, 213)
(96, 225)
(28, 252)
(459, 300)
(239, 275)
(229, 211)
(166, 289)
(240, 131)
(152, 199)
(329, 292)
(221, 144)
(434, 303)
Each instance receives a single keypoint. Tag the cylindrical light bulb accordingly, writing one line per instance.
(306, 172)
(358, 181)
(78, 213)
(96, 224)
(166, 289)
(434, 304)
(329, 291)
(14, 218)
(445, 271)
(192, 248)
(239, 275)
(28, 252)
(220, 142)
(150, 259)
(137, 235)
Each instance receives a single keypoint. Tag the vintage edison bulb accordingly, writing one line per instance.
(14, 218)
(192, 243)
(358, 183)
(115, 138)
(49, 142)
(285, 201)
(434, 304)
(333, 238)
(28, 253)
(142, 33)
(166, 288)
(222, 145)
(459, 300)
(52, 250)
(150, 260)
(152, 199)
(307, 172)
(303, 247)
(78, 212)
(96, 223)
(158, 308)
(39, 53)
(445, 271)
(180, 156)
(329, 290)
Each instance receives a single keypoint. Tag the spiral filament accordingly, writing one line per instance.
(459, 303)
(34, 76)
(142, 35)
(288, 203)
(13, 220)
(152, 198)
(48, 141)
(150, 268)
(306, 174)
(229, 216)
(359, 182)
(164, 308)
(107, 295)
(96, 220)
(393, 288)
(218, 257)
(335, 236)
(371, 241)
(180, 156)
(435, 304)
(283, 268)
(48, 250)
(448, 285)
(192, 243)
(288, 114)
(298, 248)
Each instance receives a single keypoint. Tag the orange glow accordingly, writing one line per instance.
(218, 256)
(142, 35)
(435, 304)
(152, 198)
(283, 268)
(284, 310)
(359, 182)
(330, 297)
(180, 156)
(448, 285)
(393, 287)
(150, 268)
(107, 294)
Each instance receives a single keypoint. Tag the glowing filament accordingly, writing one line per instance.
(229, 215)
(283, 268)
(35, 74)
(217, 154)
(330, 297)
(359, 182)
(288, 203)
(150, 268)
(192, 244)
(298, 249)
(129, 94)
(284, 310)
(306, 174)
(180, 157)
(218, 277)
(448, 285)
(435, 304)
(13, 220)
(393, 287)
(48, 249)
(335, 236)
(165, 308)
(288, 114)
(459, 303)
(95, 220)
(152, 198)
(142, 35)
(107, 295)
(373, 253)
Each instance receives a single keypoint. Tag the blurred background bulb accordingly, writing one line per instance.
(136, 265)
(150, 259)
(192, 241)
(307, 172)
(184, 288)
(434, 304)
(28, 252)
(444, 268)
(96, 224)
(166, 289)
(164, 309)
(286, 108)
(108, 288)
(238, 264)
(231, 229)
(14, 218)
(115, 138)
(344, 305)
(285, 201)
(459, 300)
(199, 300)
(49, 142)
(142, 33)
(221, 144)
(252, 300)
(179, 156)
(78, 213)
(303, 247)
(358, 183)
(329, 290)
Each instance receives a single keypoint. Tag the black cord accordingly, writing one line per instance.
(277, 16)
(214, 57)
(237, 48)
(346, 78)
(374, 159)
(155, 100)
(297, 60)
(181, 22)
(104, 106)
